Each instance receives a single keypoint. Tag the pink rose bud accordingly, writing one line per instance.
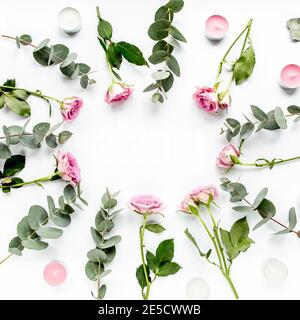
(206, 99)
(67, 167)
(224, 159)
(186, 203)
(117, 92)
(224, 101)
(71, 108)
(146, 204)
(204, 194)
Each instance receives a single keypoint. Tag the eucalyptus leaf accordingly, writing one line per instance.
(159, 29)
(260, 197)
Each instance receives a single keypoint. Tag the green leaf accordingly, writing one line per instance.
(158, 57)
(69, 60)
(11, 184)
(25, 39)
(41, 129)
(111, 242)
(14, 131)
(41, 45)
(192, 239)
(260, 197)
(157, 97)
(20, 94)
(140, 275)
(165, 251)
(49, 232)
(104, 29)
(105, 226)
(60, 53)
(114, 55)
(160, 75)
(258, 113)
(20, 107)
(131, 53)
(151, 262)
(242, 208)
(173, 65)
(175, 5)
(155, 227)
(261, 223)
(168, 83)
(51, 140)
(64, 136)
(246, 130)
(2, 101)
(292, 218)
(110, 203)
(68, 70)
(84, 81)
(168, 269)
(97, 255)
(10, 83)
(244, 66)
(151, 87)
(293, 109)
(162, 45)
(271, 124)
(69, 193)
(163, 13)
(280, 118)
(266, 209)
(110, 254)
(37, 216)
(225, 237)
(34, 244)
(238, 191)
(51, 204)
(42, 56)
(14, 165)
(23, 229)
(102, 291)
(4, 151)
(15, 246)
(60, 219)
(93, 270)
(176, 34)
(97, 237)
(159, 29)
(84, 68)
(239, 230)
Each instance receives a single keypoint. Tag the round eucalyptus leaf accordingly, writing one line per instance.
(37, 216)
(159, 29)
(4, 151)
(23, 229)
(68, 70)
(160, 75)
(110, 254)
(42, 56)
(51, 141)
(93, 269)
(97, 255)
(49, 232)
(69, 193)
(70, 59)
(59, 219)
(34, 244)
(15, 246)
(42, 45)
(25, 39)
(110, 242)
(60, 53)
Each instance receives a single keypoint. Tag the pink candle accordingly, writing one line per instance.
(290, 76)
(216, 27)
(55, 273)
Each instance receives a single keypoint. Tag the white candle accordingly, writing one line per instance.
(55, 273)
(197, 289)
(216, 27)
(290, 76)
(275, 271)
(69, 20)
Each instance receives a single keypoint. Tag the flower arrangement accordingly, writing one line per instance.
(263, 206)
(15, 99)
(115, 52)
(160, 31)
(233, 242)
(105, 250)
(273, 120)
(56, 54)
(211, 99)
(153, 265)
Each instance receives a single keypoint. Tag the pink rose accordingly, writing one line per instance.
(67, 167)
(146, 204)
(185, 203)
(207, 99)
(71, 108)
(224, 159)
(117, 92)
(204, 194)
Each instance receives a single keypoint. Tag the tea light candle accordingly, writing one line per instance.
(197, 289)
(216, 27)
(55, 273)
(290, 76)
(275, 271)
(69, 20)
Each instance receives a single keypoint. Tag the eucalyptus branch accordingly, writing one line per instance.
(263, 206)
(33, 228)
(105, 250)
(159, 31)
(56, 54)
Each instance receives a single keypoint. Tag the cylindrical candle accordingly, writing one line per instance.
(69, 20)
(197, 289)
(216, 27)
(274, 270)
(290, 76)
(55, 273)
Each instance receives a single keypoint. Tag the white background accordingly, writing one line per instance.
(144, 148)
